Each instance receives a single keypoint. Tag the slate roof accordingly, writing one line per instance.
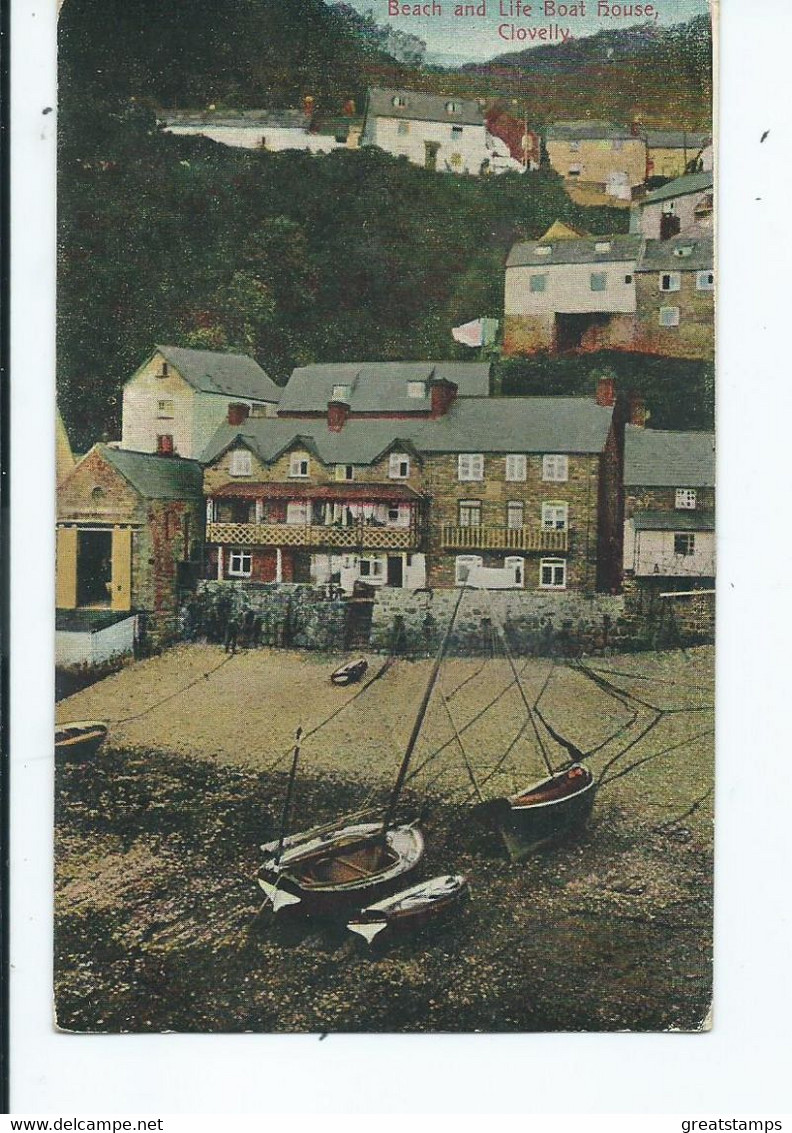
(688, 252)
(660, 458)
(674, 520)
(622, 249)
(676, 139)
(212, 371)
(157, 477)
(378, 387)
(492, 425)
(288, 119)
(680, 187)
(586, 129)
(423, 107)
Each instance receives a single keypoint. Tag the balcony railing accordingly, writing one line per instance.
(361, 536)
(502, 538)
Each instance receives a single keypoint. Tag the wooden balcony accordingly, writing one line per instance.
(502, 538)
(362, 536)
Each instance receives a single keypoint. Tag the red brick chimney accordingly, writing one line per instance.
(337, 413)
(443, 394)
(238, 413)
(606, 391)
(636, 409)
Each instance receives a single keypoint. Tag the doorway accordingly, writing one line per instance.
(571, 330)
(395, 576)
(94, 567)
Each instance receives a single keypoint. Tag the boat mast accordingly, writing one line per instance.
(289, 792)
(419, 719)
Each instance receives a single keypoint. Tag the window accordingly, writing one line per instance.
(341, 393)
(543, 249)
(628, 279)
(456, 160)
(297, 511)
(670, 281)
(685, 499)
(602, 246)
(470, 513)
(599, 281)
(464, 565)
(704, 207)
(241, 463)
(555, 468)
(345, 472)
(240, 564)
(684, 543)
(371, 568)
(452, 107)
(398, 466)
(471, 466)
(554, 516)
(403, 128)
(574, 171)
(537, 283)
(165, 444)
(416, 389)
(515, 514)
(669, 316)
(552, 574)
(299, 464)
(705, 281)
(163, 370)
(399, 100)
(97, 494)
(164, 408)
(669, 208)
(456, 131)
(516, 466)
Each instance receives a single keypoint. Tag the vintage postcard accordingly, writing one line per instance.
(385, 517)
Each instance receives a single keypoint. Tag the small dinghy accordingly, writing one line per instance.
(350, 673)
(340, 869)
(80, 739)
(412, 908)
(549, 810)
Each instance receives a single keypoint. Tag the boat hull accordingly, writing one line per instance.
(79, 740)
(412, 909)
(350, 674)
(547, 811)
(339, 871)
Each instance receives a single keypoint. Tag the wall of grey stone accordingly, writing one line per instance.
(286, 614)
(533, 624)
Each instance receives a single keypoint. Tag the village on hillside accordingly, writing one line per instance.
(320, 596)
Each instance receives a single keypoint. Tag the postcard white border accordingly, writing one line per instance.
(743, 1064)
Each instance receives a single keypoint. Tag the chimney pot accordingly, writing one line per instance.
(606, 391)
(337, 413)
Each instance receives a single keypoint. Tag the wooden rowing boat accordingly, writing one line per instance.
(546, 811)
(411, 909)
(350, 673)
(340, 869)
(79, 740)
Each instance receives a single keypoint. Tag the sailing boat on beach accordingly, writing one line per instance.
(333, 870)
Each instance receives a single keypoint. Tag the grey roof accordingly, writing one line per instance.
(290, 119)
(157, 477)
(378, 387)
(688, 252)
(425, 107)
(674, 520)
(588, 129)
(660, 458)
(680, 187)
(212, 371)
(676, 139)
(622, 249)
(493, 425)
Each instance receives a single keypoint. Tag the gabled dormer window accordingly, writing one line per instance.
(452, 107)
(543, 249)
(684, 250)
(602, 246)
(341, 393)
(399, 100)
(416, 389)
(398, 466)
(299, 464)
(241, 463)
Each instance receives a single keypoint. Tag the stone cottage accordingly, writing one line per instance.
(599, 155)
